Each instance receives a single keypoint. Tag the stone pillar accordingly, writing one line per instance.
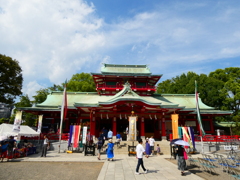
(142, 130)
(163, 127)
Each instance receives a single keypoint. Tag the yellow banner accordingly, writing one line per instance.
(174, 118)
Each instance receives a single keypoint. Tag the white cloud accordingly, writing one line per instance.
(51, 39)
(31, 87)
(54, 39)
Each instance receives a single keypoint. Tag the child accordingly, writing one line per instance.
(158, 149)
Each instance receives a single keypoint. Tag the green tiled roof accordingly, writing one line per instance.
(125, 69)
(184, 102)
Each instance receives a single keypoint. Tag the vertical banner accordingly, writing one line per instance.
(186, 137)
(191, 133)
(73, 132)
(174, 118)
(132, 128)
(17, 121)
(84, 135)
(76, 136)
(70, 135)
(180, 134)
(39, 130)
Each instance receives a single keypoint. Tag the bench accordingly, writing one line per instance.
(207, 166)
(192, 161)
(234, 172)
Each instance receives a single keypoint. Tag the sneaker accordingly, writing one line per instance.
(146, 171)
(137, 173)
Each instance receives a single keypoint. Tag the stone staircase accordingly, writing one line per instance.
(123, 148)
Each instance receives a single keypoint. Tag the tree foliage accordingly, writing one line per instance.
(10, 79)
(82, 82)
(219, 89)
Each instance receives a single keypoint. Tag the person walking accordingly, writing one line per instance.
(99, 147)
(46, 145)
(110, 153)
(181, 160)
(119, 138)
(102, 138)
(148, 148)
(4, 148)
(127, 132)
(140, 151)
(11, 145)
(152, 142)
(110, 134)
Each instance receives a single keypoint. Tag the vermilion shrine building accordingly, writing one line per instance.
(121, 89)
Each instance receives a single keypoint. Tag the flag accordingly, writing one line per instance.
(39, 123)
(63, 107)
(186, 136)
(191, 133)
(76, 136)
(17, 121)
(202, 132)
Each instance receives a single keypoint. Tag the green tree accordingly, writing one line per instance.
(41, 95)
(230, 93)
(82, 82)
(10, 79)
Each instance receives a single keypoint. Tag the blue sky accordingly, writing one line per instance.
(54, 39)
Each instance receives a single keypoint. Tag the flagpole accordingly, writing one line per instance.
(202, 132)
(63, 113)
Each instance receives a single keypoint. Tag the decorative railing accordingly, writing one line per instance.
(120, 87)
(51, 136)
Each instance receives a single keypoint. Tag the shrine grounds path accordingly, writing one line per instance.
(77, 166)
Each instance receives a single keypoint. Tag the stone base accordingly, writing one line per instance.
(164, 138)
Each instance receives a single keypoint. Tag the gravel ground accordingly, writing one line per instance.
(49, 170)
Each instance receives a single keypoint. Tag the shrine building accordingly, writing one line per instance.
(120, 91)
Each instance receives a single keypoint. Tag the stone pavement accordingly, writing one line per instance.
(123, 167)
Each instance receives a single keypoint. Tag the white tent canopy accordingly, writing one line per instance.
(7, 130)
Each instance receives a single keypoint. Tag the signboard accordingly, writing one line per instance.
(132, 128)
(229, 147)
(84, 135)
(17, 121)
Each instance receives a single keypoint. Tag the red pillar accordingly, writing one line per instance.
(163, 127)
(156, 129)
(142, 131)
(92, 124)
(114, 126)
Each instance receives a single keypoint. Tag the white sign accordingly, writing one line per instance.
(132, 128)
(39, 123)
(230, 147)
(84, 135)
(17, 121)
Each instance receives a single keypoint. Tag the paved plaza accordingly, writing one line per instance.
(122, 168)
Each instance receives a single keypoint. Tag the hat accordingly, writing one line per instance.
(110, 140)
